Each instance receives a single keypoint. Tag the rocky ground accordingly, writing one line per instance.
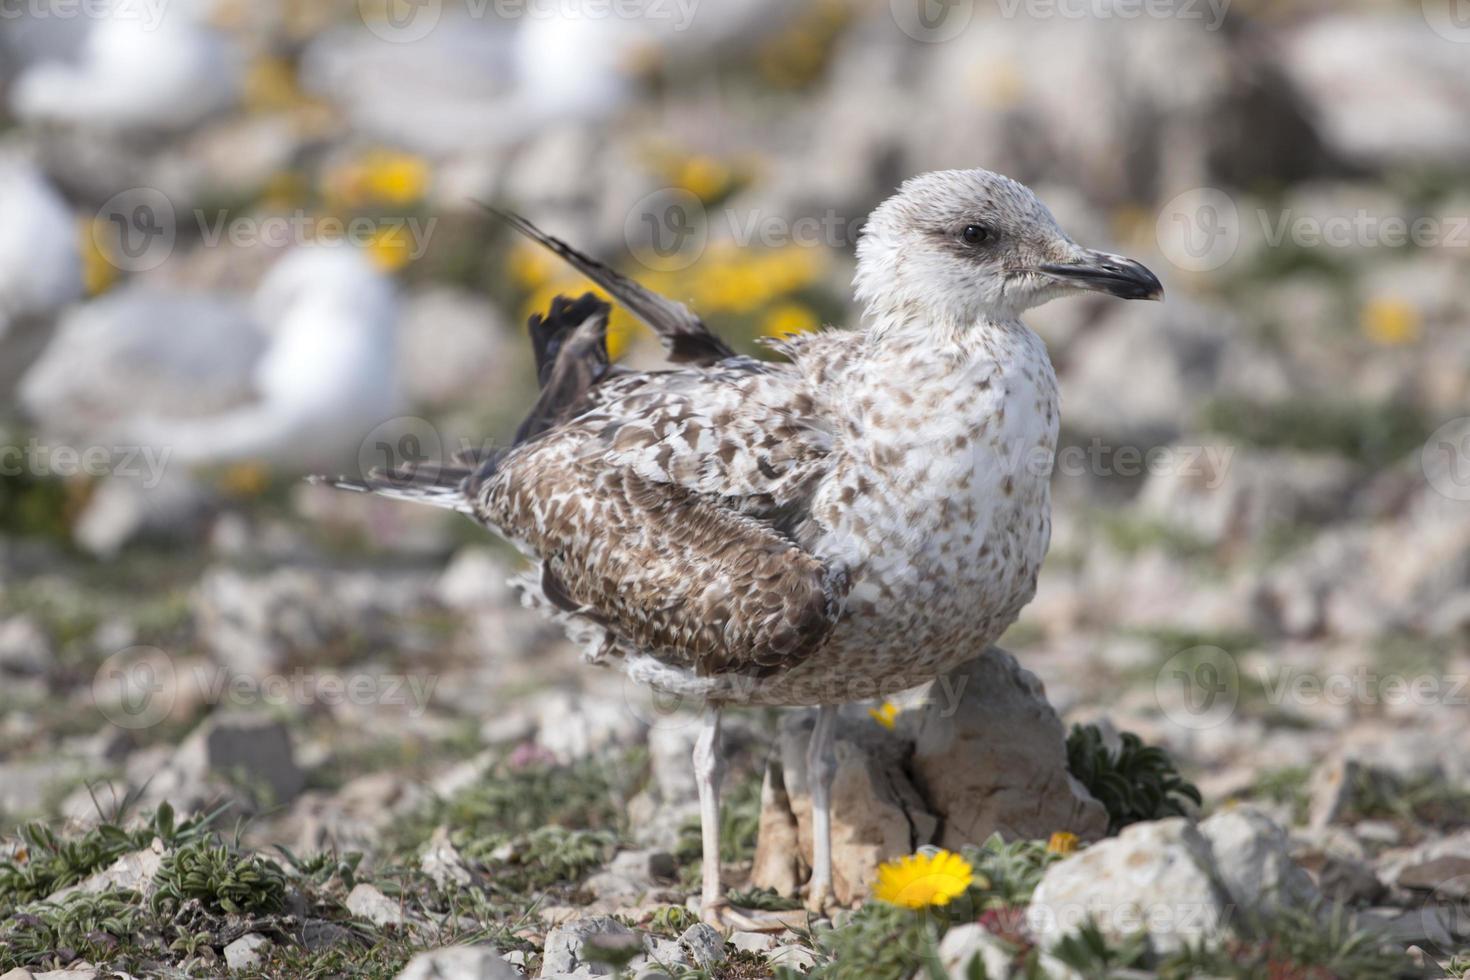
(256, 727)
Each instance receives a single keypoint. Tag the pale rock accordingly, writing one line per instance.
(24, 647)
(247, 951)
(703, 945)
(574, 726)
(1253, 857)
(753, 942)
(964, 943)
(1158, 875)
(367, 902)
(443, 863)
(452, 346)
(459, 963)
(131, 872)
(792, 957)
(566, 945)
(995, 760)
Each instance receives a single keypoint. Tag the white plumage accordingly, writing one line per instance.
(295, 377)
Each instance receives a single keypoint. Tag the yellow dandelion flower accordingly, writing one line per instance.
(530, 266)
(790, 318)
(1390, 322)
(390, 247)
(377, 177)
(704, 177)
(99, 270)
(1062, 842)
(886, 714)
(922, 880)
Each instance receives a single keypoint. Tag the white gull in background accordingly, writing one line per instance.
(40, 263)
(139, 66)
(167, 381)
(848, 523)
(484, 81)
(295, 377)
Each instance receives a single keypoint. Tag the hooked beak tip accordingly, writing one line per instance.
(1111, 274)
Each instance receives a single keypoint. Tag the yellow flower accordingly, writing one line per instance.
(248, 479)
(923, 880)
(390, 247)
(885, 714)
(531, 266)
(99, 271)
(378, 177)
(270, 86)
(704, 177)
(1390, 322)
(1062, 842)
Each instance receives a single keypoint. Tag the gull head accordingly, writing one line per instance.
(959, 247)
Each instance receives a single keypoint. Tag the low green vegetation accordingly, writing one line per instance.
(1135, 782)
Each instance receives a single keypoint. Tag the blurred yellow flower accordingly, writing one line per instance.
(99, 271)
(703, 176)
(270, 86)
(530, 266)
(1390, 322)
(248, 479)
(1062, 842)
(378, 177)
(886, 714)
(391, 247)
(790, 318)
(923, 880)
(285, 190)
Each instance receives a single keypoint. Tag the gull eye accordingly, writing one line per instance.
(975, 234)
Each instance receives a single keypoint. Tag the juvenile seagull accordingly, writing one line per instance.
(846, 524)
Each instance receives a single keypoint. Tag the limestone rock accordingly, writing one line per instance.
(1158, 876)
(245, 952)
(367, 902)
(459, 963)
(1253, 858)
(990, 755)
(566, 945)
(964, 943)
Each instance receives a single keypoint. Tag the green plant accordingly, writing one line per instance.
(1138, 782)
(45, 862)
(1006, 873)
(83, 925)
(543, 858)
(219, 878)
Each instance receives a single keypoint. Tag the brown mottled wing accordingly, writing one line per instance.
(685, 337)
(656, 516)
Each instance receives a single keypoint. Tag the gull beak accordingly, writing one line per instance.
(1105, 273)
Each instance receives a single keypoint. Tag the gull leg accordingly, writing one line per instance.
(821, 767)
(709, 769)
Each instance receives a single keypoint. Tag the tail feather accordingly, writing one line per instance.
(685, 337)
(449, 487)
(571, 358)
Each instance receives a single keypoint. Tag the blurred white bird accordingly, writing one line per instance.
(488, 82)
(139, 67)
(296, 379)
(40, 264)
